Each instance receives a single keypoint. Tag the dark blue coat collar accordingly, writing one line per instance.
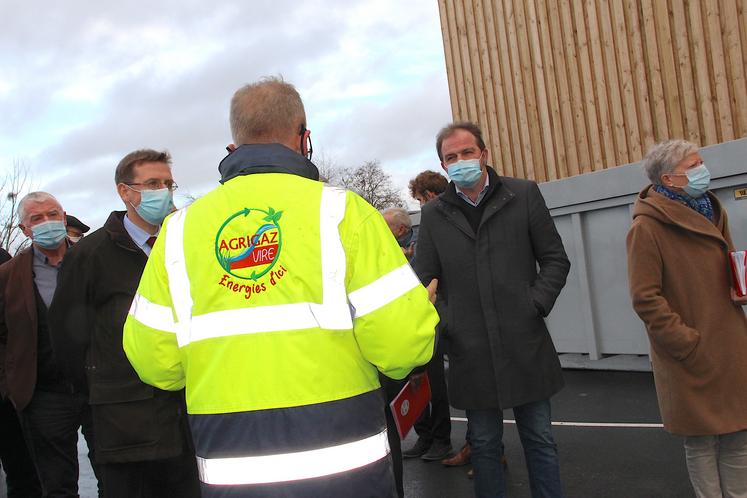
(265, 158)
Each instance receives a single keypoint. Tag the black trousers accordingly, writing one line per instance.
(391, 389)
(50, 425)
(167, 478)
(435, 421)
(20, 473)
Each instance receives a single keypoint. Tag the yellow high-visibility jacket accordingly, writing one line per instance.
(274, 299)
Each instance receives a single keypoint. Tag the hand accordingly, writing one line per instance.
(409, 251)
(742, 300)
(432, 287)
(416, 381)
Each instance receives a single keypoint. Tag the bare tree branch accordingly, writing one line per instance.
(369, 181)
(14, 185)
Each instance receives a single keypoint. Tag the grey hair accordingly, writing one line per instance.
(662, 158)
(34, 197)
(267, 111)
(398, 215)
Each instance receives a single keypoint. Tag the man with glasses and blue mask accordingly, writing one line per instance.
(51, 409)
(144, 449)
(500, 263)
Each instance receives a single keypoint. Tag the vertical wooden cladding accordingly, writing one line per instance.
(563, 87)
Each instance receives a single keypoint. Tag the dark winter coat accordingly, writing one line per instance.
(500, 352)
(98, 280)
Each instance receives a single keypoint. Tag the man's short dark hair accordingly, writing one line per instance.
(125, 171)
(428, 181)
(449, 130)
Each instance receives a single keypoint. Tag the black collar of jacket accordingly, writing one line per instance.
(265, 158)
(114, 226)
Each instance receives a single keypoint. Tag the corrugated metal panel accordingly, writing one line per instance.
(593, 314)
(563, 87)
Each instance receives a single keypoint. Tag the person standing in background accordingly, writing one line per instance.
(406, 235)
(433, 427)
(51, 408)
(681, 288)
(400, 224)
(75, 228)
(143, 445)
(20, 474)
(500, 263)
(426, 186)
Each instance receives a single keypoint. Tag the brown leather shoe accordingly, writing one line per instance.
(461, 458)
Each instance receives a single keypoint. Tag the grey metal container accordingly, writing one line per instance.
(593, 315)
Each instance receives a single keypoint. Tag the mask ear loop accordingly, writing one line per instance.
(134, 190)
(306, 141)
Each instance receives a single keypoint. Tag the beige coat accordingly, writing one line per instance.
(679, 277)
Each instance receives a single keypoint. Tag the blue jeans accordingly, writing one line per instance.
(540, 450)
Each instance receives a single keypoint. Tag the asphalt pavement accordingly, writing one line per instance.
(607, 449)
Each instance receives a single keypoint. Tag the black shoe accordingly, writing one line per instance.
(418, 449)
(438, 451)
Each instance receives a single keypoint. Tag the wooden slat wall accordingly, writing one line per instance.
(564, 87)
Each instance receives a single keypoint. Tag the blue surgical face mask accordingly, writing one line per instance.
(155, 205)
(698, 181)
(465, 173)
(49, 234)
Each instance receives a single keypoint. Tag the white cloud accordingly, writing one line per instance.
(85, 83)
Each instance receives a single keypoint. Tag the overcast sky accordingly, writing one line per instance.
(83, 83)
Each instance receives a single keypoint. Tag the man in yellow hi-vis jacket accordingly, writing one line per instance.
(275, 299)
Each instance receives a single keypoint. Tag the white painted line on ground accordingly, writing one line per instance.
(584, 424)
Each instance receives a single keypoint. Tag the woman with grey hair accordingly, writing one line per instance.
(680, 284)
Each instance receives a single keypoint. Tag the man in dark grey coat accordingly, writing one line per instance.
(143, 446)
(491, 243)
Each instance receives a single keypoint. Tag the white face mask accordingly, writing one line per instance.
(698, 181)
(49, 234)
(465, 173)
(74, 239)
(154, 205)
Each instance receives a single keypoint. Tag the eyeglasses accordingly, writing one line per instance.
(156, 185)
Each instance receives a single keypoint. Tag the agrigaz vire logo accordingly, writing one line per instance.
(247, 247)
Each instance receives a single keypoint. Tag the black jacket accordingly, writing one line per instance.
(4, 256)
(97, 282)
(500, 352)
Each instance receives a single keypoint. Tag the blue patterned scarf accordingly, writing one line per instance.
(702, 204)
